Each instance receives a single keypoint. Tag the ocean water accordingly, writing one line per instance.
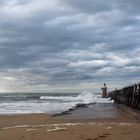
(24, 103)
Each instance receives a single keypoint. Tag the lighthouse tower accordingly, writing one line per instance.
(104, 91)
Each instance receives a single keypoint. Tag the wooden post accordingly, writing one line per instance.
(129, 96)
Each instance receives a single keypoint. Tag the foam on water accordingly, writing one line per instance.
(45, 103)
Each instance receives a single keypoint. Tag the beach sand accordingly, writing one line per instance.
(66, 127)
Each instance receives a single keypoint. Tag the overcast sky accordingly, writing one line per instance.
(68, 45)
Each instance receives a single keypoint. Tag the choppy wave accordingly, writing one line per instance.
(82, 100)
(85, 97)
(46, 103)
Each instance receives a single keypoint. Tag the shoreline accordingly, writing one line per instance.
(90, 113)
(67, 127)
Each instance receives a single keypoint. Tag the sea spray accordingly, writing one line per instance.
(87, 97)
(45, 102)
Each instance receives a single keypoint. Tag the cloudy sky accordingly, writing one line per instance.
(68, 45)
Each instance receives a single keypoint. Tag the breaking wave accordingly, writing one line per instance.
(46, 103)
(72, 102)
(84, 97)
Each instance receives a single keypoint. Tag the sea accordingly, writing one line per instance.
(49, 103)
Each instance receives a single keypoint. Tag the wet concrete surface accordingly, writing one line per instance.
(94, 111)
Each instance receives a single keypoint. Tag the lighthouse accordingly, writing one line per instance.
(104, 91)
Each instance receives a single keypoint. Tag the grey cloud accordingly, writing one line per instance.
(89, 6)
(69, 42)
(95, 6)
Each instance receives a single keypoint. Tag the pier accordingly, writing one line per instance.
(128, 96)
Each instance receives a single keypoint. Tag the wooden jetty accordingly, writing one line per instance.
(129, 96)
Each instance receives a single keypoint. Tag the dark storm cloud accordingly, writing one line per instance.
(62, 42)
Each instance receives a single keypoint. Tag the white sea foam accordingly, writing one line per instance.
(64, 125)
(46, 103)
(56, 129)
(62, 98)
(85, 97)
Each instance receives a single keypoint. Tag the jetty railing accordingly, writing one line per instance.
(129, 96)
